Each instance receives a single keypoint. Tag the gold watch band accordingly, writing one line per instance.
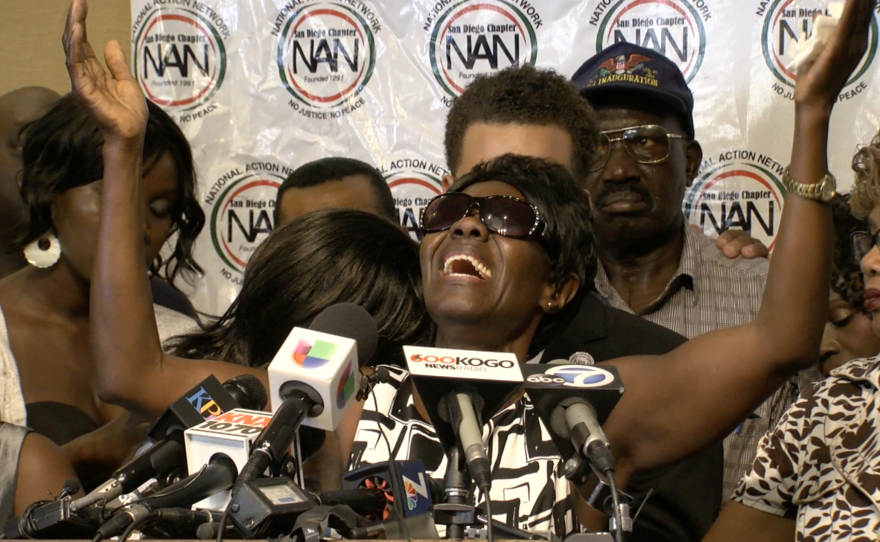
(822, 191)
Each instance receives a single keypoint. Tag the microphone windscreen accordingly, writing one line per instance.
(248, 392)
(71, 486)
(351, 321)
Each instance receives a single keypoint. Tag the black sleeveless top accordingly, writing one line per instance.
(62, 423)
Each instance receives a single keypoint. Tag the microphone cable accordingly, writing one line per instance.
(168, 515)
(222, 527)
(136, 524)
(490, 529)
(398, 500)
(615, 500)
(26, 521)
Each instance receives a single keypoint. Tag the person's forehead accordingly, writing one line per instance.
(485, 141)
(493, 188)
(611, 118)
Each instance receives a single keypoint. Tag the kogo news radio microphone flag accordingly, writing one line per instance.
(461, 391)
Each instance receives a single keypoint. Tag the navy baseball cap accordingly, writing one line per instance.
(624, 68)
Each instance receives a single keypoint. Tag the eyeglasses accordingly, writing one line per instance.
(863, 242)
(646, 144)
(504, 215)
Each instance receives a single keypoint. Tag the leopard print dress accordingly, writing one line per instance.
(821, 464)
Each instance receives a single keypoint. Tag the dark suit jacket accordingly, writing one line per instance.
(687, 495)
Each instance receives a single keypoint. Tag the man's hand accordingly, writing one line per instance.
(735, 243)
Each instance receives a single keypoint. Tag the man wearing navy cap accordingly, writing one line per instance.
(653, 264)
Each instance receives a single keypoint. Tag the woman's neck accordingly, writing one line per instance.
(467, 339)
(57, 289)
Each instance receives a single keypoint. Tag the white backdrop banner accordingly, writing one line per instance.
(262, 86)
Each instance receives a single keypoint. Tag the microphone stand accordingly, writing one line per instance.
(455, 513)
(604, 497)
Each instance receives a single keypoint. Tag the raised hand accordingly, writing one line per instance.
(113, 99)
(821, 83)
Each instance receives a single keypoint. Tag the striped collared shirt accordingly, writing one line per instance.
(710, 291)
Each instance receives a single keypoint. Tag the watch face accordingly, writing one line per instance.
(828, 188)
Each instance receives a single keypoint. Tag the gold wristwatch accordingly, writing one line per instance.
(823, 191)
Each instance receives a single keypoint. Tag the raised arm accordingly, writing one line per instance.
(678, 403)
(132, 370)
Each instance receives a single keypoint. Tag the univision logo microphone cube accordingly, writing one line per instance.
(326, 363)
(313, 355)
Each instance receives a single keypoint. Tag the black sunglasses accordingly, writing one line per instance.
(504, 215)
(863, 242)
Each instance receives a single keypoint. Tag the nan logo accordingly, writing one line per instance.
(480, 36)
(241, 218)
(326, 53)
(179, 57)
(785, 23)
(741, 190)
(673, 28)
(413, 183)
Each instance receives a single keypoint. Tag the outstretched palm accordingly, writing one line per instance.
(112, 99)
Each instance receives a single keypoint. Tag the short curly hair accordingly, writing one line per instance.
(846, 276)
(865, 194)
(568, 233)
(529, 96)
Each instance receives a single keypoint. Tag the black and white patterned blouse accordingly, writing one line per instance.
(528, 490)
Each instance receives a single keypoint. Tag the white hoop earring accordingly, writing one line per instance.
(44, 251)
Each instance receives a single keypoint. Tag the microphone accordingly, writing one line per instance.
(364, 501)
(581, 358)
(233, 433)
(405, 481)
(408, 487)
(205, 401)
(460, 389)
(573, 401)
(320, 363)
(268, 507)
(313, 379)
(52, 520)
(247, 391)
(219, 474)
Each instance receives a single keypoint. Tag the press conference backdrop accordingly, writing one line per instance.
(263, 86)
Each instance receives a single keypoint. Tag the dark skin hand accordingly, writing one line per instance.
(735, 243)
